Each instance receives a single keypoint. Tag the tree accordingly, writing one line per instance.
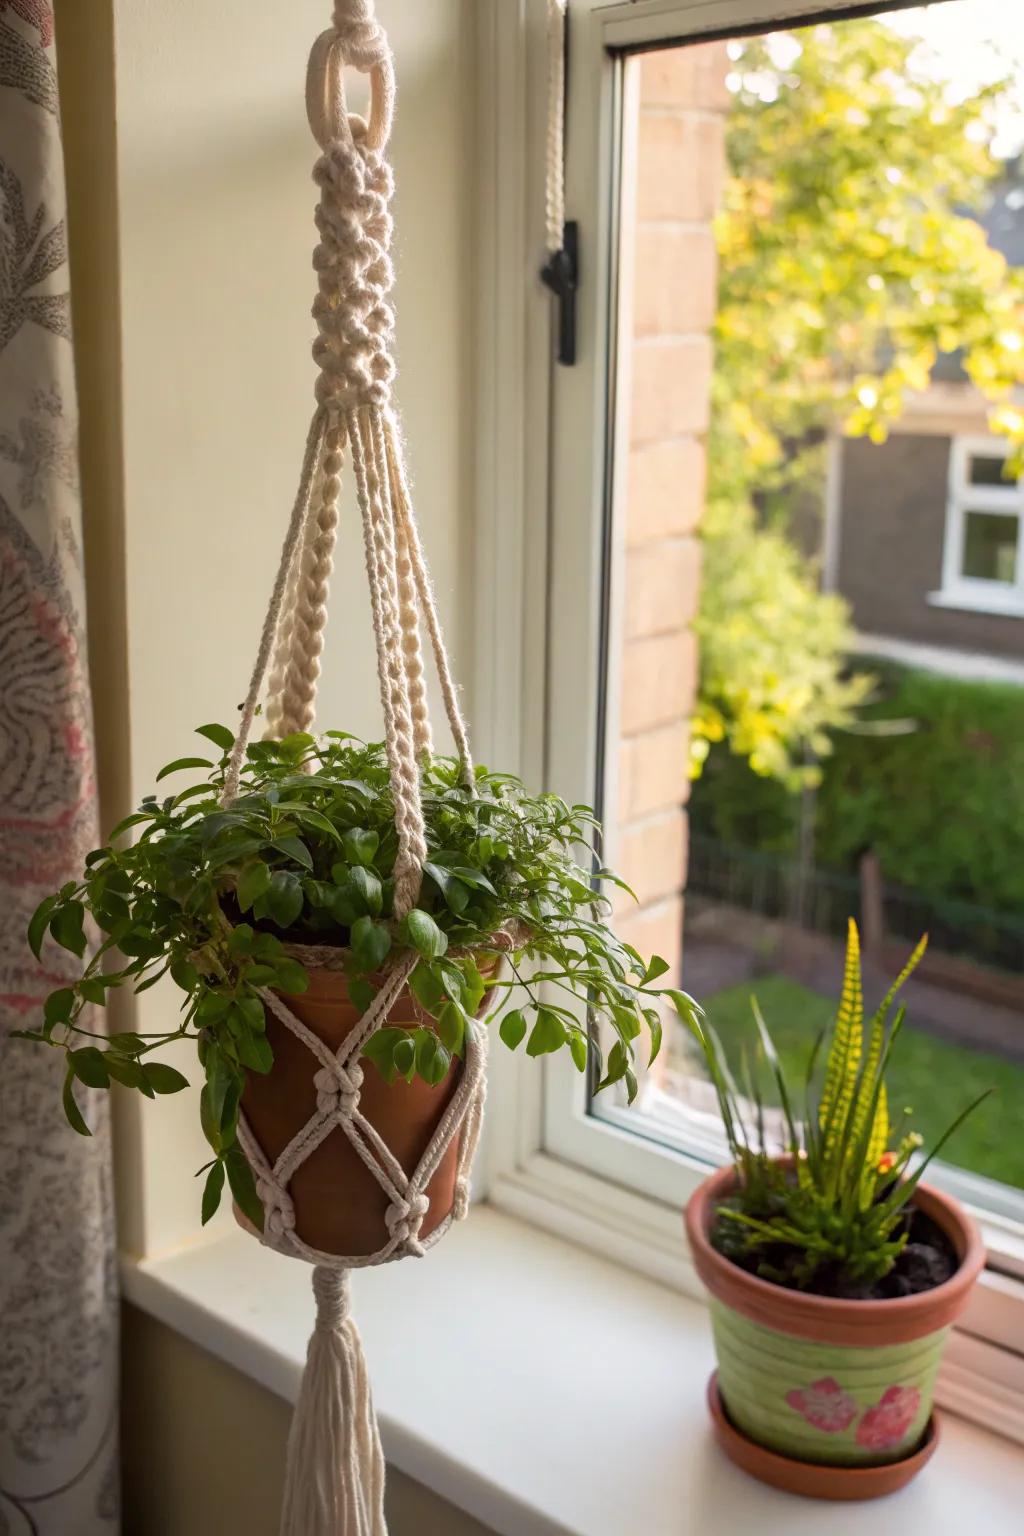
(847, 265)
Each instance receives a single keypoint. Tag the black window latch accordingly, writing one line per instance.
(561, 274)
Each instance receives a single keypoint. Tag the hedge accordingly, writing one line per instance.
(941, 802)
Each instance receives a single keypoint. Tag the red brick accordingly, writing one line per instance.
(653, 771)
(651, 857)
(662, 587)
(676, 280)
(656, 930)
(666, 489)
(680, 166)
(671, 388)
(659, 679)
(692, 76)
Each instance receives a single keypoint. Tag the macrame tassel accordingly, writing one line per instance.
(334, 1484)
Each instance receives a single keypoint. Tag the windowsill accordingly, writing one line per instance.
(545, 1391)
(1007, 607)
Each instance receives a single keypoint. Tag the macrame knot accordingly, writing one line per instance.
(338, 1089)
(354, 319)
(460, 1204)
(363, 40)
(278, 1211)
(331, 1289)
(403, 1219)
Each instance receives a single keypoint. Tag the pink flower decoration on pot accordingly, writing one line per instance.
(825, 1405)
(886, 1424)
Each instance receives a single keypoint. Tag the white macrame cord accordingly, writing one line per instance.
(335, 1478)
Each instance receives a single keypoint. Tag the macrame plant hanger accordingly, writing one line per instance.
(335, 1476)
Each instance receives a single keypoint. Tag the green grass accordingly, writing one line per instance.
(933, 1077)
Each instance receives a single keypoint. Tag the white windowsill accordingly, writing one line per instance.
(1009, 606)
(546, 1391)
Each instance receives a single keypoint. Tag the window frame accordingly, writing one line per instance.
(542, 477)
(978, 594)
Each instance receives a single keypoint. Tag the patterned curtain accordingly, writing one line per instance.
(58, 1299)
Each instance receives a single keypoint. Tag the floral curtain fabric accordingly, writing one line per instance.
(58, 1302)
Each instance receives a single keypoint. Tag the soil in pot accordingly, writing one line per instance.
(339, 1205)
(928, 1259)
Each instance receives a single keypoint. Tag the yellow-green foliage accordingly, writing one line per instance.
(846, 266)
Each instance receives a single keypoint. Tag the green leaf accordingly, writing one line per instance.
(368, 889)
(656, 967)
(427, 988)
(127, 1071)
(284, 897)
(253, 882)
(451, 1026)
(58, 1006)
(67, 925)
(240, 939)
(371, 943)
(421, 933)
(71, 1109)
(512, 1028)
(548, 1034)
(292, 978)
(183, 762)
(184, 975)
(90, 1067)
(296, 849)
(361, 993)
(654, 1026)
(218, 734)
(162, 1078)
(360, 845)
(38, 925)
(126, 1043)
(243, 1186)
(254, 1052)
(578, 1049)
(404, 1057)
(432, 1060)
(380, 1049)
(212, 1190)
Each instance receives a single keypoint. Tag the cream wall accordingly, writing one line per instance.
(188, 118)
(203, 1449)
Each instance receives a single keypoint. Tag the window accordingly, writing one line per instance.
(613, 647)
(983, 565)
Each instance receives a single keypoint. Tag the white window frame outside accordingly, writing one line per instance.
(541, 471)
(967, 592)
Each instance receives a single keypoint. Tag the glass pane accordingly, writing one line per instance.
(985, 469)
(763, 780)
(990, 546)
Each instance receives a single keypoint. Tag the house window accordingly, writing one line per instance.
(634, 482)
(983, 564)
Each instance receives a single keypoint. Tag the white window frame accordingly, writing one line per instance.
(540, 479)
(967, 592)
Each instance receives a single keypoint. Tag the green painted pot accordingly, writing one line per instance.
(822, 1381)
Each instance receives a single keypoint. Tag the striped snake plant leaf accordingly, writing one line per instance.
(843, 1060)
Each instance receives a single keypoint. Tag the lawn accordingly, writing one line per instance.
(933, 1077)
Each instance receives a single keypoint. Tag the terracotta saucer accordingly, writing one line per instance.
(811, 1479)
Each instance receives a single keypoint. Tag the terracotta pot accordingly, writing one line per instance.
(825, 1381)
(339, 1205)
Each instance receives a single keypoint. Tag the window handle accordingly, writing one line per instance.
(561, 274)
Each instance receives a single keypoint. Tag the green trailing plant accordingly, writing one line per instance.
(832, 1214)
(213, 896)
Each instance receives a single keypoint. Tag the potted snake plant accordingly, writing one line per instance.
(834, 1273)
(233, 905)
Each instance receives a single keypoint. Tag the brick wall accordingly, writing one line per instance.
(677, 181)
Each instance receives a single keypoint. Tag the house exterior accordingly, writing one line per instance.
(924, 535)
